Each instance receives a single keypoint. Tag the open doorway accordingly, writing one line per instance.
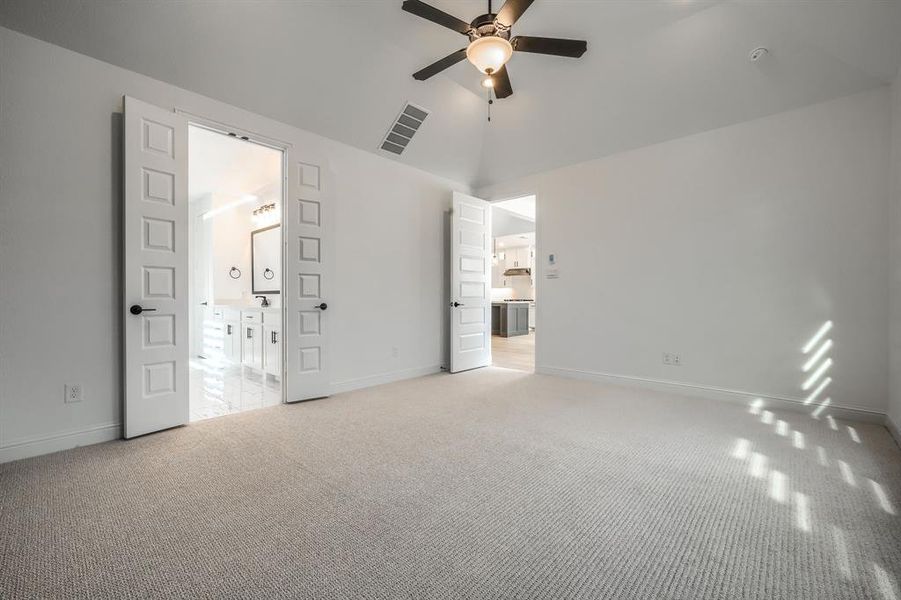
(235, 188)
(513, 300)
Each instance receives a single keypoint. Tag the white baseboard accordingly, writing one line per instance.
(36, 446)
(26, 448)
(893, 429)
(349, 385)
(715, 393)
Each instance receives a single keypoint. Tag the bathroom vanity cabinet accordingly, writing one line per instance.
(245, 336)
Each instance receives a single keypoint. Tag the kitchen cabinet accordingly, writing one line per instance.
(522, 258)
(517, 258)
(513, 258)
(509, 318)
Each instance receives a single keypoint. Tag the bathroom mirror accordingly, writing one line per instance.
(266, 260)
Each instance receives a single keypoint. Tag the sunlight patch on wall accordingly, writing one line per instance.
(819, 389)
(815, 358)
(815, 376)
(822, 331)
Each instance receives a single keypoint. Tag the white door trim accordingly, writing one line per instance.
(284, 147)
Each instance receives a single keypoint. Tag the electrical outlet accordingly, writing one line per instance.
(667, 358)
(677, 360)
(74, 392)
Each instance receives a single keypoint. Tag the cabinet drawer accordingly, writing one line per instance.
(213, 325)
(273, 318)
(231, 314)
(252, 316)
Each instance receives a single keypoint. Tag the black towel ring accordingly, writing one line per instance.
(234, 272)
(268, 273)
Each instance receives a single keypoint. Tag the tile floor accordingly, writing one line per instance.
(220, 387)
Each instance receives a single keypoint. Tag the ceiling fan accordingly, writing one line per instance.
(490, 45)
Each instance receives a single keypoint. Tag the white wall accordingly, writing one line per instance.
(60, 300)
(729, 247)
(230, 246)
(894, 412)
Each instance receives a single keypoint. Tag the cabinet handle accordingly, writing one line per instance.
(249, 333)
(274, 337)
(228, 330)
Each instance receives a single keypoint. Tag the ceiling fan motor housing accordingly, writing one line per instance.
(485, 25)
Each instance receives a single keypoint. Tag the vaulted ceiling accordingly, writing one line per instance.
(654, 70)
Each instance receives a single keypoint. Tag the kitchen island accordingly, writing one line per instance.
(509, 318)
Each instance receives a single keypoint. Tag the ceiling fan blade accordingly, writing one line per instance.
(502, 87)
(555, 46)
(421, 9)
(439, 65)
(511, 11)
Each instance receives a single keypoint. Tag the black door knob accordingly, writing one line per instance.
(322, 306)
(456, 304)
(137, 309)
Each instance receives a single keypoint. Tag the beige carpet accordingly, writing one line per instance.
(487, 484)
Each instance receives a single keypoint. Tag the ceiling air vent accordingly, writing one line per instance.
(404, 128)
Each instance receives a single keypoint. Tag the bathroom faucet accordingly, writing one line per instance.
(265, 301)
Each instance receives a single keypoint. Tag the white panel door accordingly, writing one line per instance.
(308, 307)
(155, 263)
(470, 269)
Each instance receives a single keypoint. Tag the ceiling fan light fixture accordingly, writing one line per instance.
(489, 53)
(488, 82)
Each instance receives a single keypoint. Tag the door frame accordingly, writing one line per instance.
(283, 147)
(539, 264)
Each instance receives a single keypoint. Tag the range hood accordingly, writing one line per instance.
(519, 271)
